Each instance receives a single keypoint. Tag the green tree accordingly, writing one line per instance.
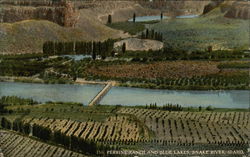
(134, 17)
(123, 47)
(109, 19)
(94, 51)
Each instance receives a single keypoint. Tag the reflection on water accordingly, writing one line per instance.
(126, 96)
(136, 96)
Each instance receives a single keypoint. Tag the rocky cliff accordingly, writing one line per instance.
(64, 14)
(232, 9)
(175, 8)
(239, 10)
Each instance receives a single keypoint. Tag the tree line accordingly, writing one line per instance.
(166, 107)
(44, 133)
(15, 100)
(103, 49)
(152, 34)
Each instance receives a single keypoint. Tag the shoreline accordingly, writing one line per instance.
(119, 84)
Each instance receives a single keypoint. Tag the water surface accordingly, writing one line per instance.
(77, 57)
(126, 96)
(51, 92)
(147, 18)
(187, 16)
(137, 96)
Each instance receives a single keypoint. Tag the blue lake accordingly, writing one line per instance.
(187, 16)
(147, 18)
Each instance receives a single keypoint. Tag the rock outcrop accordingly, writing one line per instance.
(176, 8)
(239, 10)
(134, 44)
(212, 5)
(64, 14)
(232, 9)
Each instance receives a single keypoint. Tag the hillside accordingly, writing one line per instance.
(28, 36)
(211, 29)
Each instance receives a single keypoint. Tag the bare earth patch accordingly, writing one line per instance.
(134, 44)
(175, 69)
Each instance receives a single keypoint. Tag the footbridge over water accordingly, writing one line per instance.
(101, 94)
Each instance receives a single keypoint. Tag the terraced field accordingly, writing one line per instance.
(195, 127)
(120, 128)
(14, 145)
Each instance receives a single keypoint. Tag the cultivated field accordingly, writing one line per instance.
(195, 127)
(14, 145)
(173, 69)
(116, 128)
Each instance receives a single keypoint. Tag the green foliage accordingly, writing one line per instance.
(239, 80)
(21, 67)
(5, 123)
(199, 33)
(151, 34)
(123, 47)
(14, 100)
(19, 126)
(169, 53)
(109, 19)
(42, 132)
(166, 107)
(95, 48)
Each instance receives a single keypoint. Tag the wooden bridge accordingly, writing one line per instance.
(101, 94)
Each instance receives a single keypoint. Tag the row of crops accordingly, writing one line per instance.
(195, 127)
(13, 145)
(241, 80)
(117, 128)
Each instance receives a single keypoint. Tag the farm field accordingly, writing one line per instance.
(176, 74)
(13, 144)
(136, 127)
(124, 78)
(195, 127)
(116, 129)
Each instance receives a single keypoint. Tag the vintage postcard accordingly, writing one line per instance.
(124, 78)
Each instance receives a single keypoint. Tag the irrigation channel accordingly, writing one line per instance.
(102, 93)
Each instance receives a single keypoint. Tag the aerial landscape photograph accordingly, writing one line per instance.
(124, 78)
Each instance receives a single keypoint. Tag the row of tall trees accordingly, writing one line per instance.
(152, 34)
(19, 126)
(103, 49)
(167, 107)
(44, 133)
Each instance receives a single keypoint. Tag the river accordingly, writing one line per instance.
(126, 96)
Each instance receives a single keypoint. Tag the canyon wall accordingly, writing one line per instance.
(239, 10)
(63, 14)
